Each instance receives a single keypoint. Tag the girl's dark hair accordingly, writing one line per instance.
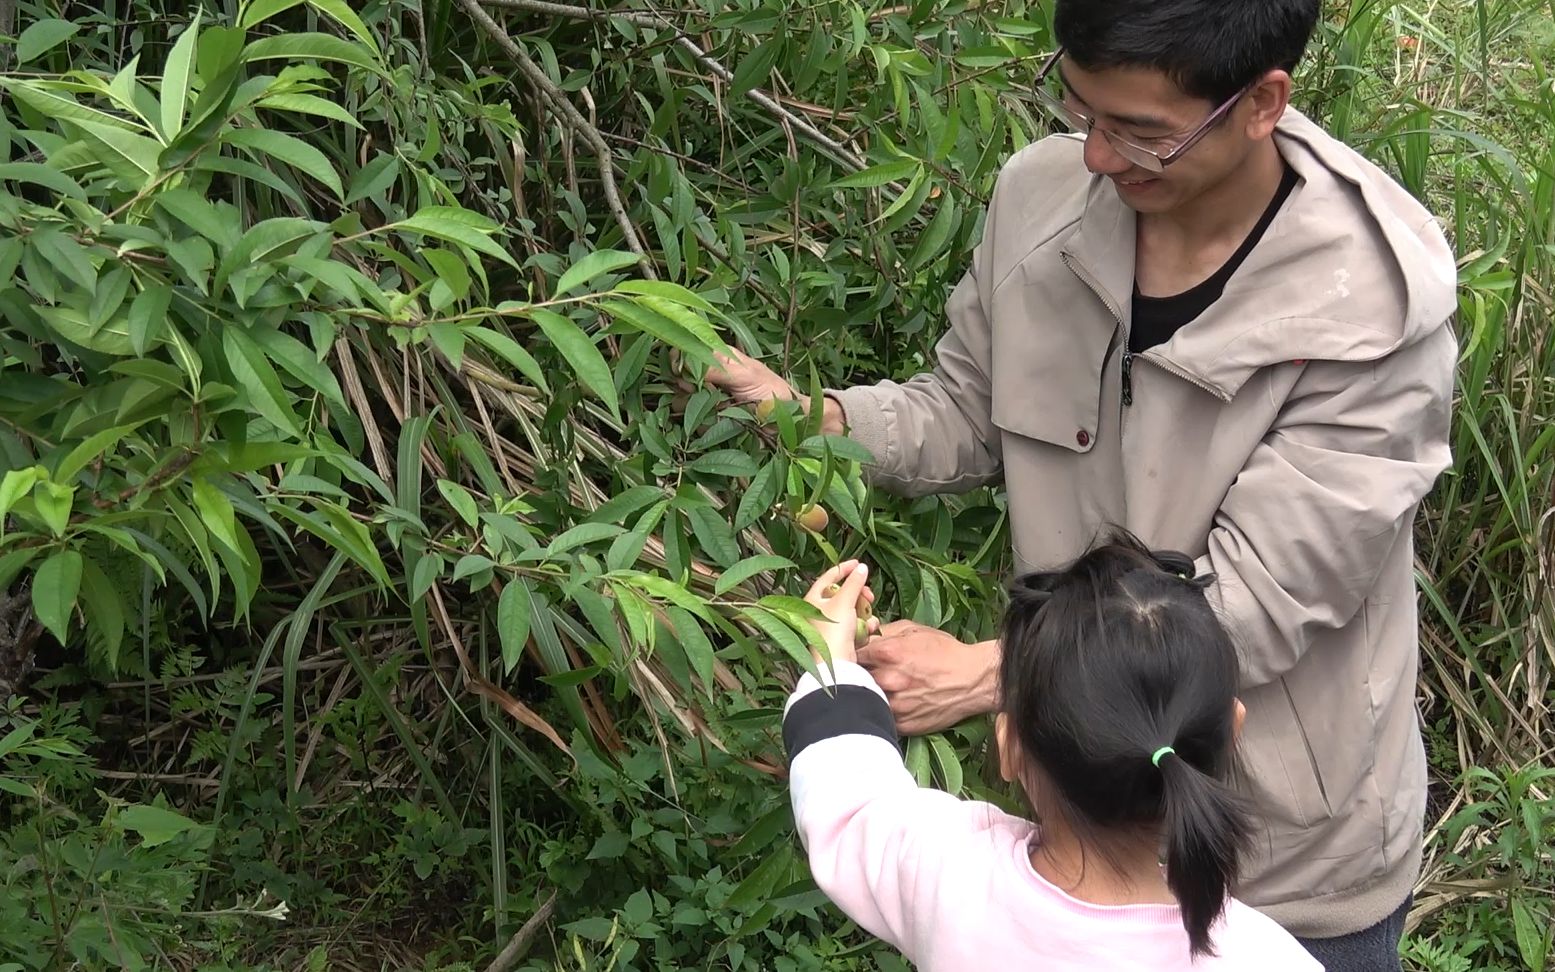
(1103, 664)
(1210, 48)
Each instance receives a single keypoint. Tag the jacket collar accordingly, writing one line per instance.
(1350, 269)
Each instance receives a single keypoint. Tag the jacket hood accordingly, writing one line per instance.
(1351, 269)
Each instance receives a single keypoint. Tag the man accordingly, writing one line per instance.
(1207, 321)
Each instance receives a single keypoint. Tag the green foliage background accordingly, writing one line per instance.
(386, 582)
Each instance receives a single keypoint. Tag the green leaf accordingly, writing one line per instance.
(693, 641)
(513, 353)
(293, 151)
(472, 564)
(594, 265)
(301, 362)
(933, 238)
(760, 496)
(67, 257)
(262, 10)
(176, 76)
(713, 534)
(148, 316)
(726, 462)
(155, 825)
(72, 325)
(216, 513)
(456, 225)
(748, 568)
(761, 883)
(374, 177)
(665, 290)
(581, 354)
(253, 373)
(39, 174)
(198, 213)
(513, 623)
(319, 47)
(16, 484)
(583, 533)
(622, 505)
(878, 175)
(103, 606)
(54, 501)
(460, 499)
(651, 322)
(262, 241)
(42, 37)
(59, 106)
(129, 154)
(348, 19)
(87, 450)
(667, 590)
(54, 589)
(755, 67)
(947, 761)
(307, 104)
(786, 638)
(1532, 942)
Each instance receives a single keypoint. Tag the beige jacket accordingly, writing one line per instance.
(1285, 438)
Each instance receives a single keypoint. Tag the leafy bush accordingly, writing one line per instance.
(352, 454)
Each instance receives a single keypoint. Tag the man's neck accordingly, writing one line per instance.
(1130, 874)
(1229, 210)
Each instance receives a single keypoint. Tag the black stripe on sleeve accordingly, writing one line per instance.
(845, 710)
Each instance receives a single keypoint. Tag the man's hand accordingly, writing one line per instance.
(932, 680)
(747, 380)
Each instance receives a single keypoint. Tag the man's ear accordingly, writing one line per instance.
(1265, 103)
(1238, 716)
(1009, 749)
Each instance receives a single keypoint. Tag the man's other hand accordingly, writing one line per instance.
(932, 680)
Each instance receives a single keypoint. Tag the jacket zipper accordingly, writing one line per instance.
(1173, 369)
(1128, 377)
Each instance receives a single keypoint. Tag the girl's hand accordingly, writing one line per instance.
(837, 594)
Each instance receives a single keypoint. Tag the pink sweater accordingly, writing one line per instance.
(949, 882)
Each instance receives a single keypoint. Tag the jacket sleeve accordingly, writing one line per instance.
(876, 841)
(1325, 499)
(934, 433)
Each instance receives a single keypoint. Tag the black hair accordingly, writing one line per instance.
(1103, 664)
(1210, 49)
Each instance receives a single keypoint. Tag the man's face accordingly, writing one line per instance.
(1147, 107)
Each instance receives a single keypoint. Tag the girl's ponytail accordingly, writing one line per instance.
(1206, 827)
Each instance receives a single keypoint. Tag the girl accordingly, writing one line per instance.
(1118, 717)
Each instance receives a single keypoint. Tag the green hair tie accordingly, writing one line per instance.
(1155, 758)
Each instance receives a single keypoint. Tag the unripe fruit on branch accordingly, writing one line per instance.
(861, 633)
(813, 518)
(764, 409)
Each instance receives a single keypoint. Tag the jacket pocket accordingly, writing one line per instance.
(1286, 779)
(1052, 341)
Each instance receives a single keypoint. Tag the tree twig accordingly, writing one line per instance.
(519, 943)
(839, 153)
(574, 120)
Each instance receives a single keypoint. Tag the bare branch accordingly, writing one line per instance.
(574, 120)
(519, 944)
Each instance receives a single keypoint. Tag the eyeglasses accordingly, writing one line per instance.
(1141, 155)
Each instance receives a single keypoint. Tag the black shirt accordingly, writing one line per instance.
(1156, 319)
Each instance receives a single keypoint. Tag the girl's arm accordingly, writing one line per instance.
(878, 844)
